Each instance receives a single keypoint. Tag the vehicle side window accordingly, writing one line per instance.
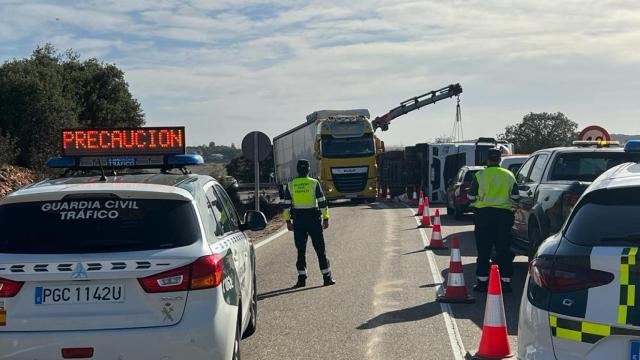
(523, 175)
(234, 220)
(538, 169)
(208, 220)
(461, 175)
(514, 168)
(219, 212)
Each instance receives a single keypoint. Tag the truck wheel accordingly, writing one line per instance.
(371, 200)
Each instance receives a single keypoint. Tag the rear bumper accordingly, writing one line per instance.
(201, 334)
(534, 332)
(370, 191)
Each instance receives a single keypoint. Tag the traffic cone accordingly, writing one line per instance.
(494, 343)
(436, 218)
(426, 217)
(436, 243)
(388, 198)
(420, 205)
(414, 198)
(455, 292)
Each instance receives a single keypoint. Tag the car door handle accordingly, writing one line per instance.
(530, 193)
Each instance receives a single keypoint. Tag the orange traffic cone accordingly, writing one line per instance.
(414, 198)
(436, 218)
(494, 343)
(455, 292)
(388, 198)
(436, 243)
(426, 216)
(420, 206)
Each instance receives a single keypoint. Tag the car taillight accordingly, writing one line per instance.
(558, 277)
(9, 288)
(570, 200)
(77, 353)
(204, 273)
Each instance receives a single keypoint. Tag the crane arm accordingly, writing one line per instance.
(415, 103)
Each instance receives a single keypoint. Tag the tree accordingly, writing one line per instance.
(540, 131)
(242, 169)
(8, 150)
(42, 94)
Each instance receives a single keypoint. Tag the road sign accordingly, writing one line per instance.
(256, 146)
(594, 133)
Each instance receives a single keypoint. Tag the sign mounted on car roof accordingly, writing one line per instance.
(123, 141)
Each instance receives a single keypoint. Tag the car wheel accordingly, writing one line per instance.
(236, 341)
(253, 308)
(535, 238)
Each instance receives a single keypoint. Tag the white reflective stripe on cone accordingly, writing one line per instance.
(455, 279)
(482, 278)
(421, 201)
(455, 255)
(436, 235)
(494, 312)
(325, 271)
(436, 221)
(505, 279)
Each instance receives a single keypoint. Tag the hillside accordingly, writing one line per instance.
(13, 178)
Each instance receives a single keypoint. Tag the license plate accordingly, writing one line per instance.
(351, 196)
(79, 294)
(635, 350)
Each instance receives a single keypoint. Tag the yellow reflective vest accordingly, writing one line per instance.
(495, 186)
(304, 193)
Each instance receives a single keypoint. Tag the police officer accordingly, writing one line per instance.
(493, 190)
(307, 207)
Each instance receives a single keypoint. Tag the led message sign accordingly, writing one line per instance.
(123, 141)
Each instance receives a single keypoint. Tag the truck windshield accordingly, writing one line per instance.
(89, 225)
(587, 166)
(347, 147)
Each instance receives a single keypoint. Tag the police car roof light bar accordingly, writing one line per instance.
(133, 162)
(632, 146)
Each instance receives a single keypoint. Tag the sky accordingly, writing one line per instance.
(223, 68)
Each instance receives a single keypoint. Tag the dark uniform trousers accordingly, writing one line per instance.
(308, 223)
(493, 229)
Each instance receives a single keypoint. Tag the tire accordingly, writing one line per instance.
(371, 200)
(236, 341)
(535, 239)
(253, 309)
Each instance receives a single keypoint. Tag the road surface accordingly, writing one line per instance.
(383, 306)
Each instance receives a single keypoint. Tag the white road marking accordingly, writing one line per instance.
(270, 238)
(455, 339)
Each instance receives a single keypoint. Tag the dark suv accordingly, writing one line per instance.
(550, 183)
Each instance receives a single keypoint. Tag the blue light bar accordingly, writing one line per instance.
(61, 162)
(184, 160)
(632, 146)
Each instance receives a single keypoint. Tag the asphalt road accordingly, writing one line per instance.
(383, 306)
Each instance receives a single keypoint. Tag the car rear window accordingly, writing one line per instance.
(96, 225)
(587, 166)
(606, 217)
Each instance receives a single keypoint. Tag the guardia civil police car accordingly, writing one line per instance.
(112, 263)
(581, 300)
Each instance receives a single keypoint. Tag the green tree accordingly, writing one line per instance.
(8, 150)
(42, 94)
(242, 169)
(540, 131)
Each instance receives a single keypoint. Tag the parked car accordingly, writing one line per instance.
(579, 299)
(457, 201)
(550, 183)
(513, 162)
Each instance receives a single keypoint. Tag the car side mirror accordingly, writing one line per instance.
(254, 221)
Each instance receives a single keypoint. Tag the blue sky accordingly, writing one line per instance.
(224, 68)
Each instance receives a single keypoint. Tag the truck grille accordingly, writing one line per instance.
(350, 183)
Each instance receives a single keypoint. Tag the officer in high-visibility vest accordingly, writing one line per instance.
(306, 205)
(493, 190)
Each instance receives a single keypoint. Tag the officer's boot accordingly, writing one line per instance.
(302, 281)
(328, 280)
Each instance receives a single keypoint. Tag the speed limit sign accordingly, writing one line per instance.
(594, 132)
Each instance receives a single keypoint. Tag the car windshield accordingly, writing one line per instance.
(333, 147)
(606, 217)
(588, 166)
(96, 225)
(468, 177)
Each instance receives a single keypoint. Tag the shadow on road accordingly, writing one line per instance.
(415, 313)
(285, 291)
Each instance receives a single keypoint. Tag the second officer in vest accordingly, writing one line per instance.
(307, 215)
(493, 190)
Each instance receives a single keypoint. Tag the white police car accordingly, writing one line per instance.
(98, 264)
(582, 298)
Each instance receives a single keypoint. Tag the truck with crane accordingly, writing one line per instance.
(341, 148)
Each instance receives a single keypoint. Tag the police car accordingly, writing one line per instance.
(581, 299)
(125, 256)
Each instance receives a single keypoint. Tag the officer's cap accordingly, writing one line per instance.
(303, 163)
(495, 154)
